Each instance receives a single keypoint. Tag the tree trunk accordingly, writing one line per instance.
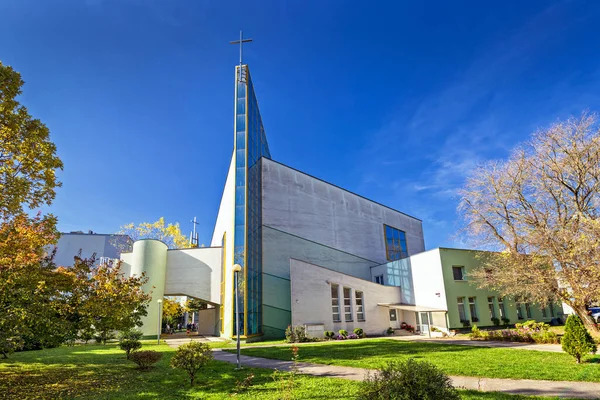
(587, 320)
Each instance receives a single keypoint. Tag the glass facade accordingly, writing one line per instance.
(395, 243)
(250, 146)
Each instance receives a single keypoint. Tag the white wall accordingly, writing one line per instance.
(311, 299)
(195, 273)
(226, 208)
(428, 281)
(302, 205)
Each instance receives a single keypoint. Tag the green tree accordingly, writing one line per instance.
(28, 165)
(577, 341)
(28, 160)
(192, 305)
(539, 210)
(100, 296)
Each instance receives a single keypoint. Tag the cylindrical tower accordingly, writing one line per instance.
(150, 256)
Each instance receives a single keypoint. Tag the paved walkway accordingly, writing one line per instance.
(574, 390)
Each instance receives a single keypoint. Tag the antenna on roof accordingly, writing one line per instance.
(194, 234)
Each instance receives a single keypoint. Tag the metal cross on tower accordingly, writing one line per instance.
(241, 43)
(194, 234)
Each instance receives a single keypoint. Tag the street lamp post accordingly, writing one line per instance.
(237, 268)
(159, 301)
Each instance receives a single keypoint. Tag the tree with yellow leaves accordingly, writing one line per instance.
(168, 234)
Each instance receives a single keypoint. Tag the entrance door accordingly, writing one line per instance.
(394, 318)
(424, 323)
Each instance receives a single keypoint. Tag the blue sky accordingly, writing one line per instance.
(396, 101)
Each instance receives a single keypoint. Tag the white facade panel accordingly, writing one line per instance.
(302, 205)
(195, 273)
(428, 280)
(311, 299)
(225, 215)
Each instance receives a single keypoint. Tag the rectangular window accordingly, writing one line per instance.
(222, 306)
(544, 314)
(461, 309)
(379, 279)
(501, 307)
(551, 306)
(519, 311)
(335, 303)
(393, 315)
(395, 243)
(528, 310)
(360, 311)
(491, 307)
(459, 273)
(473, 309)
(347, 305)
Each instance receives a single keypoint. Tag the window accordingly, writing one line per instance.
(544, 314)
(501, 307)
(395, 243)
(335, 303)
(528, 310)
(473, 309)
(458, 273)
(491, 307)
(393, 315)
(519, 311)
(379, 279)
(461, 309)
(551, 306)
(360, 311)
(347, 305)
(223, 258)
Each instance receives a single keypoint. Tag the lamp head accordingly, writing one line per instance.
(159, 301)
(237, 268)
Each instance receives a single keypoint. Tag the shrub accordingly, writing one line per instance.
(145, 359)
(290, 336)
(545, 337)
(475, 333)
(533, 326)
(129, 341)
(389, 331)
(435, 329)
(296, 334)
(408, 380)
(577, 341)
(300, 333)
(191, 357)
(496, 321)
(329, 334)
(86, 335)
(506, 321)
(343, 333)
(359, 332)
(353, 336)
(466, 323)
(475, 319)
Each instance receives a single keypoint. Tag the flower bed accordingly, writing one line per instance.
(527, 332)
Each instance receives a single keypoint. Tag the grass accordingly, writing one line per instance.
(452, 359)
(102, 372)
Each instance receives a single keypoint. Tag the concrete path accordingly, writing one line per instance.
(556, 348)
(574, 390)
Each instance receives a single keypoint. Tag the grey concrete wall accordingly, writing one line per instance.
(302, 205)
(208, 321)
(278, 248)
(195, 273)
(311, 299)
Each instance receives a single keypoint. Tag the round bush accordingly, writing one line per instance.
(191, 357)
(343, 332)
(145, 359)
(408, 380)
(359, 332)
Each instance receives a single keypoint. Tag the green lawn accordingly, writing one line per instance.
(102, 372)
(453, 359)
